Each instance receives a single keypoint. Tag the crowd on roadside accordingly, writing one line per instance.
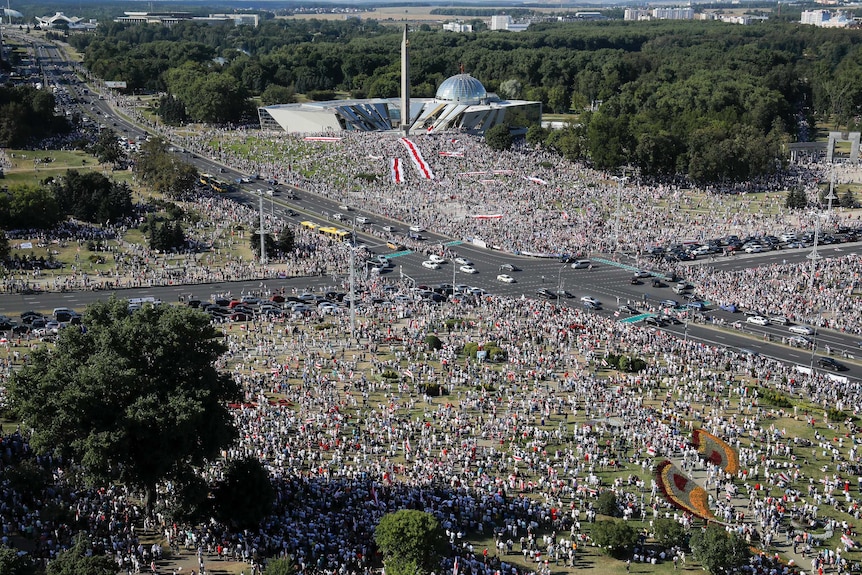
(518, 451)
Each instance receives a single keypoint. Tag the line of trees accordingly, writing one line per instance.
(27, 115)
(714, 101)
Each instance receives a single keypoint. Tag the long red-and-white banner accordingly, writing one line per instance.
(321, 139)
(395, 170)
(418, 160)
(487, 216)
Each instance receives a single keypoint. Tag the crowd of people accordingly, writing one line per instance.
(518, 450)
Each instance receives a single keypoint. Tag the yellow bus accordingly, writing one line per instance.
(220, 187)
(206, 179)
(335, 233)
(308, 225)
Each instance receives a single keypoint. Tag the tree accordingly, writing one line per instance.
(4, 246)
(77, 561)
(107, 148)
(275, 94)
(669, 533)
(498, 138)
(245, 496)
(616, 538)
(280, 566)
(172, 111)
(31, 207)
(13, 564)
(134, 397)
(412, 542)
(268, 243)
(796, 199)
(718, 550)
(286, 240)
(847, 199)
(511, 89)
(607, 504)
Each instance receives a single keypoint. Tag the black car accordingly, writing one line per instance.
(657, 283)
(830, 364)
(635, 281)
(509, 268)
(545, 292)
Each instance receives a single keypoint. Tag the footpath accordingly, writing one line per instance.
(780, 545)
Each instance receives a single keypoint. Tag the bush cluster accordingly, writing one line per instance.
(495, 353)
(626, 363)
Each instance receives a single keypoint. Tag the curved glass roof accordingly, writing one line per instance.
(462, 88)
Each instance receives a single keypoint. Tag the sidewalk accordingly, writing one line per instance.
(779, 545)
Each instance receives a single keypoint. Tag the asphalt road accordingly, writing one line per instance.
(608, 281)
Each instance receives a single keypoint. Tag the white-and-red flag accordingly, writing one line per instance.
(418, 160)
(408, 373)
(395, 170)
(322, 139)
(374, 496)
(535, 180)
(487, 216)
(455, 567)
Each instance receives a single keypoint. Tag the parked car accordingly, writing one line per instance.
(757, 320)
(468, 269)
(506, 278)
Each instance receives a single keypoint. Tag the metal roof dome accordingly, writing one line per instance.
(462, 88)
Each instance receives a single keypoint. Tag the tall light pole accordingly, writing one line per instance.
(352, 245)
(261, 229)
(560, 282)
(620, 183)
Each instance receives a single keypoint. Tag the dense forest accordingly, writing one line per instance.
(712, 100)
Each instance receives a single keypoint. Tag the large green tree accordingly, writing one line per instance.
(77, 560)
(719, 551)
(13, 564)
(616, 538)
(132, 397)
(412, 542)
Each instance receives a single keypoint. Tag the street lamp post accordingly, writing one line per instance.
(560, 282)
(621, 180)
(261, 229)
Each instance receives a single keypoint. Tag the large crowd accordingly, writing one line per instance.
(517, 451)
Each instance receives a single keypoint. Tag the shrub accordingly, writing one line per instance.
(775, 398)
(670, 533)
(389, 374)
(607, 504)
(433, 342)
(615, 538)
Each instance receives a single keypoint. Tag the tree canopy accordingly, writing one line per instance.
(710, 100)
(132, 397)
(719, 551)
(412, 542)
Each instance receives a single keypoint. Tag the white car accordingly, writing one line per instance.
(389, 229)
(436, 258)
(801, 329)
(590, 300)
(779, 319)
(337, 216)
(463, 261)
(506, 278)
(362, 219)
(757, 320)
(344, 207)
(468, 270)
(430, 265)
(753, 249)
(417, 229)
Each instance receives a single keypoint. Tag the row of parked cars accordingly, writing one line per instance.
(38, 324)
(752, 244)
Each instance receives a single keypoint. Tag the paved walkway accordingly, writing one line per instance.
(740, 502)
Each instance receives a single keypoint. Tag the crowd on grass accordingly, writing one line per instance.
(517, 452)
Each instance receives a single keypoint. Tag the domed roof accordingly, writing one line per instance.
(462, 88)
